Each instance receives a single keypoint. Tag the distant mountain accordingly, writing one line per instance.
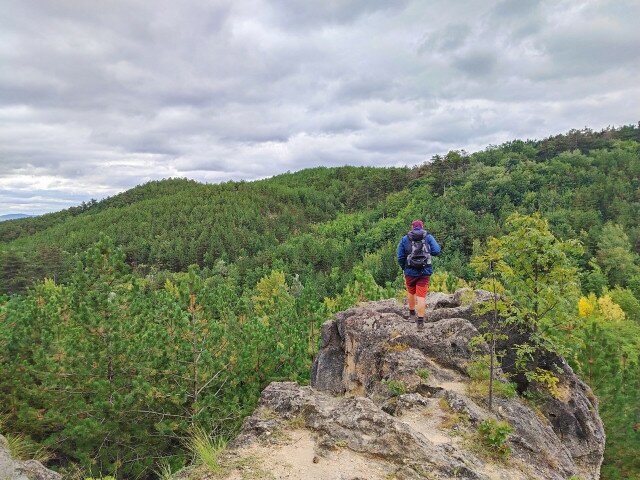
(13, 216)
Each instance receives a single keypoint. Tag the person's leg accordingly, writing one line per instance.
(411, 294)
(422, 286)
(411, 297)
(422, 306)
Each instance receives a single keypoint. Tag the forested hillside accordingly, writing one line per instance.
(175, 223)
(170, 306)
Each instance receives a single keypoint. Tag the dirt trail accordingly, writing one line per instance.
(295, 461)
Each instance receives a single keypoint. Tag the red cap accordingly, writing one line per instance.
(417, 224)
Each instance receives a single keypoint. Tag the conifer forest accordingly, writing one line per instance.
(129, 323)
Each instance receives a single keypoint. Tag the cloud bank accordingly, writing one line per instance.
(96, 97)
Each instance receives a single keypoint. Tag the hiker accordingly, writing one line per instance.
(414, 256)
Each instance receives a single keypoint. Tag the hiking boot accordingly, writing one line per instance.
(409, 317)
(420, 323)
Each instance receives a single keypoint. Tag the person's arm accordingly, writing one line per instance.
(433, 245)
(402, 256)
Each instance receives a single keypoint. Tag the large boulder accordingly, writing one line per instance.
(358, 424)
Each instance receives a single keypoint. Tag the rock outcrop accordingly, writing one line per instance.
(389, 401)
(12, 469)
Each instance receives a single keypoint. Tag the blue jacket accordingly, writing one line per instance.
(404, 249)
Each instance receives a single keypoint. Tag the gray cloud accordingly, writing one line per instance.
(96, 98)
(294, 14)
(510, 9)
(477, 63)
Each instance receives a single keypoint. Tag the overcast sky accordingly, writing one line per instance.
(97, 97)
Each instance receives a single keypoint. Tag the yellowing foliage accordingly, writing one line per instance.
(446, 282)
(272, 294)
(170, 287)
(603, 306)
(547, 380)
(610, 310)
(587, 305)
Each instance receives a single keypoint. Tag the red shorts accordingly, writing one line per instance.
(417, 285)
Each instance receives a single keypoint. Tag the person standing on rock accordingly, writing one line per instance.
(414, 256)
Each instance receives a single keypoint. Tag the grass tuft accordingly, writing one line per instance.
(206, 451)
(164, 471)
(396, 347)
(451, 418)
(396, 387)
(295, 422)
(22, 447)
(479, 385)
(423, 373)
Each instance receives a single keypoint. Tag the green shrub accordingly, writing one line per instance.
(479, 386)
(396, 387)
(423, 373)
(494, 435)
(446, 282)
(547, 381)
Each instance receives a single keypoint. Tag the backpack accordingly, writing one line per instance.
(420, 256)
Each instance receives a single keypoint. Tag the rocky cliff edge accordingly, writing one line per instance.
(390, 402)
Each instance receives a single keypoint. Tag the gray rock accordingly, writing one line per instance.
(330, 359)
(360, 425)
(575, 419)
(367, 396)
(409, 401)
(375, 343)
(359, 338)
(12, 469)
